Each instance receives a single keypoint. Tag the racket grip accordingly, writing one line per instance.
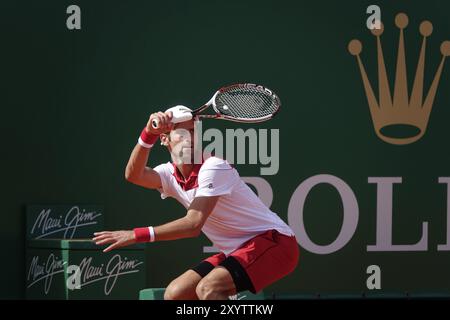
(176, 118)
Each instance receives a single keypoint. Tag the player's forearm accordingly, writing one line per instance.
(139, 156)
(178, 229)
(187, 227)
(137, 162)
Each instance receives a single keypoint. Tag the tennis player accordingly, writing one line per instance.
(256, 247)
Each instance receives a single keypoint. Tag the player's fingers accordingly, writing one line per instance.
(162, 119)
(169, 124)
(167, 118)
(101, 237)
(113, 246)
(100, 241)
(105, 241)
(101, 232)
(109, 248)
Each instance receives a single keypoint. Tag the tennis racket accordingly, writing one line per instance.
(243, 102)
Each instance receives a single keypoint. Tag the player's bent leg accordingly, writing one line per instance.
(217, 285)
(183, 287)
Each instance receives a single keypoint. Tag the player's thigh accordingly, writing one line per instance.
(183, 287)
(218, 280)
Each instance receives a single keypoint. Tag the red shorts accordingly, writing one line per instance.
(258, 263)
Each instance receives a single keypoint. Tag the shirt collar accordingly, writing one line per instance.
(191, 181)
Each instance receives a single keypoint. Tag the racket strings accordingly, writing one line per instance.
(246, 103)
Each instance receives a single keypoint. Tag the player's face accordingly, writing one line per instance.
(181, 144)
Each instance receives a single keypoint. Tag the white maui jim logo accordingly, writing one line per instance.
(87, 273)
(234, 144)
(79, 276)
(44, 272)
(75, 218)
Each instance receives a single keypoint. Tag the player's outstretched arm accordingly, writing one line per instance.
(187, 227)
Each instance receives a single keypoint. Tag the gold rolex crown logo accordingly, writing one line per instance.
(413, 111)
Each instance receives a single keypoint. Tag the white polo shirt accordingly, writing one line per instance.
(239, 214)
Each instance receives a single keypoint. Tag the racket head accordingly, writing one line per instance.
(245, 102)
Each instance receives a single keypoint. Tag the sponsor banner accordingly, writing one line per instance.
(83, 274)
(63, 221)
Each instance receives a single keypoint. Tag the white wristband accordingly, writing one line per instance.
(145, 145)
(152, 234)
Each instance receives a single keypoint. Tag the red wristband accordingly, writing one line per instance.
(148, 139)
(142, 234)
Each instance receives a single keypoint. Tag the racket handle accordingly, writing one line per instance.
(176, 118)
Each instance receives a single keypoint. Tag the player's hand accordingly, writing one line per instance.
(117, 239)
(164, 121)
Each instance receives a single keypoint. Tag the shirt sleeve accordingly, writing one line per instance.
(165, 175)
(216, 178)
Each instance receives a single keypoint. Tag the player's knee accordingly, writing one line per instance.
(174, 292)
(207, 290)
(204, 290)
